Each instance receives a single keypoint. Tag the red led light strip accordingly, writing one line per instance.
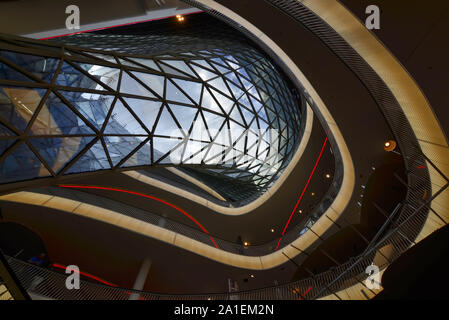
(119, 25)
(304, 294)
(145, 196)
(303, 192)
(59, 266)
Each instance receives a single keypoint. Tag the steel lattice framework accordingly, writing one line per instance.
(218, 106)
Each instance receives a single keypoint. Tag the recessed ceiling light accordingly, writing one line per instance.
(328, 175)
(246, 243)
(313, 193)
(252, 276)
(272, 230)
(300, 211)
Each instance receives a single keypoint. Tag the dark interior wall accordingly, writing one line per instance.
(416, 32)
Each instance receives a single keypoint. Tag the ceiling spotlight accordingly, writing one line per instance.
(328, 175)
(272, 230)
(252, 276)
(246, 243)
(390, 145)
(300, 211)
(313, 193)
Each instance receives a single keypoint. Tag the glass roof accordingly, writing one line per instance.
(228, 109)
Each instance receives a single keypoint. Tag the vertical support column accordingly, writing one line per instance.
(141, 278)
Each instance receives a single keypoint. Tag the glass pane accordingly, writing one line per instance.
(163, 145)
(140, 158)
(147, 62)
(93, 107)
(120, 147)
(122, 121)
(131, 86)
(184, 115)
(153, 81)
(145, 110)
(8, 73)
(42, 67)
(94, 159)
(57, 118)
(193, 89)
(57, 152)
(203, 73)
(174, 94)
(21, 164)
(166, 126)
(106, 75)
(17, 105)
(70, 77)
(179, 65)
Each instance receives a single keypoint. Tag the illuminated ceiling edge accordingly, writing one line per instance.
(196, 182)
(248, 207)
(409, 95)
(67, 206)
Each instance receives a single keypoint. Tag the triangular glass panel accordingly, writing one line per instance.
(209, 102)
(204, 64)
(215, 154)
(41, 67)
(195, 152)
(220, 68)
(219, 84)
(17, 105)
(166, 126)
(172, 71)
(122, 121)
(193, 89)
(129, 63)
(101, 56)
(243, 72)
(70, 77)
(152, 81)
(225, 102)
(21, 164)
(145, 110)
(57, 152)
(235, 90)
(179, 65)
(131, 86)
(214, 122)
(162, 146)
(8, 73)
(120, 147)
(147, 62)
(236, 116)
(94, 159)
(174, 94)
(5, 144)
(141, 157)
(249, 116)
(233, 78)
(203, 73)
(94, 110)
(246, 83)
(184, 115)
(199, 131)
(105, 75)
(4, 131)
(55, 118)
